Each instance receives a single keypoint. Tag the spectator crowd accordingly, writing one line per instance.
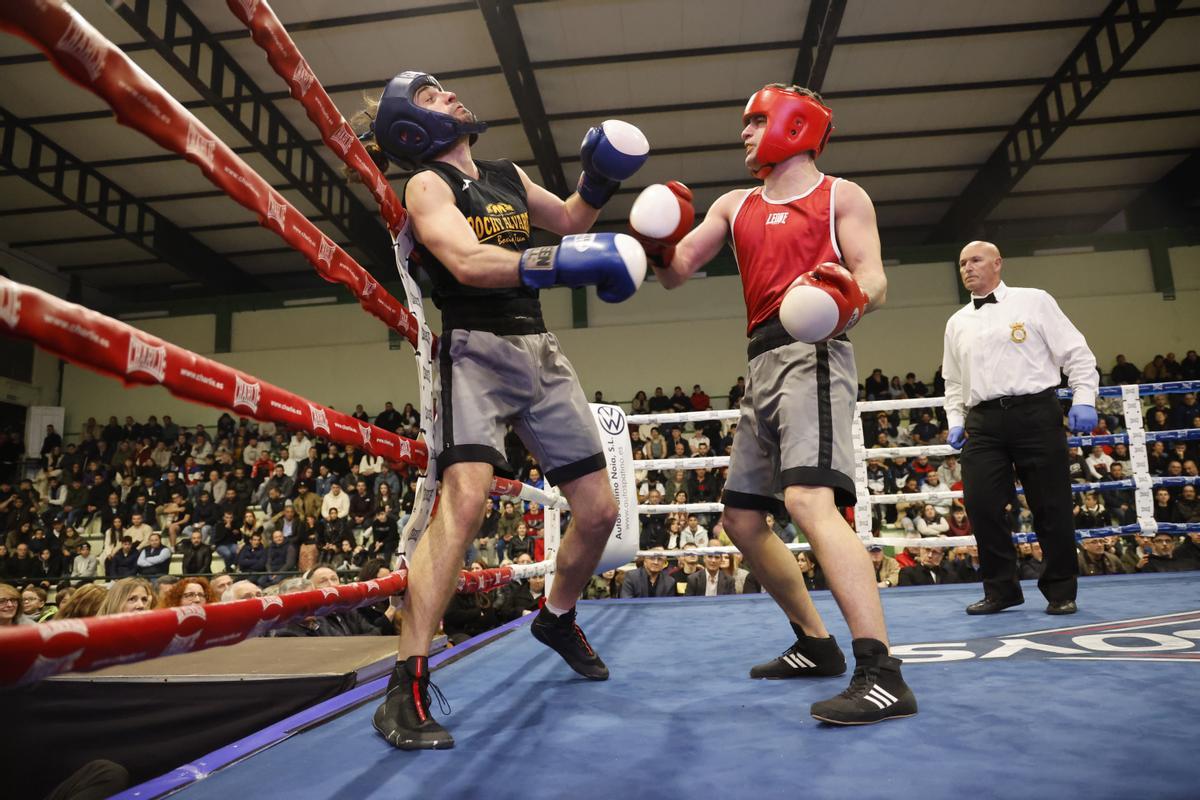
(136, 515)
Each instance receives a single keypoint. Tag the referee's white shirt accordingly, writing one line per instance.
(1012, 347)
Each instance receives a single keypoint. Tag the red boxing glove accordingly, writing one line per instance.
(661, 216)
(822, 304)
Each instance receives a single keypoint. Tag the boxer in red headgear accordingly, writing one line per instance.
(792, 452)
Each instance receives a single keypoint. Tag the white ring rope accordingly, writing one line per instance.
(1141, 481)
(686, 416)
(707, 462)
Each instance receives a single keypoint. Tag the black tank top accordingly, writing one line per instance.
(496, 209)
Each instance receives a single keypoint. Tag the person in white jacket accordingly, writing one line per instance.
(931, 523)
(338, 499)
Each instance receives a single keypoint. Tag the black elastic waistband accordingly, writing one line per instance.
(770, 334)
(1017, 399)
(503, 317)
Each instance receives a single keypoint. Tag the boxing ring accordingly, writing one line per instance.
(1011, 707)
(1008, 703)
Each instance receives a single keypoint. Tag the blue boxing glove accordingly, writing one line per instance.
(611, 152)
(957, 437)
(1081, 418)
(612, 262)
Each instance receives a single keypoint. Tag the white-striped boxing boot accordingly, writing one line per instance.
(809, 657)
(876, 691)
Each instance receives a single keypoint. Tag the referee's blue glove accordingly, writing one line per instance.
(1082, 419)
(957, 437)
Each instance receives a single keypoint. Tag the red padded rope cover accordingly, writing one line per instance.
(85, 57)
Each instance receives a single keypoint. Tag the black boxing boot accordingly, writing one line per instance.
(565, 637)
(809, 657)
(876, 691)
(404, 718)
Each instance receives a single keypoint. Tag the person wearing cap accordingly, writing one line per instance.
(1002, 357)
(887, 569)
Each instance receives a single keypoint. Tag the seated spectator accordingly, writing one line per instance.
(814, 577)
(1187, 505)
(926, 431)
(174, 515)
(1123, 372)
(138, 530)
(958, 524)
(693, 533)
(1030, 565)
(521, 597)
(887, 569)
(930, 522)
(382, 537)
(226, 537)
(219, 583)
(10, 606)
(1090, 513)
(335, 500)
(1189, 550)
(711, 581)
(1162, 556)
(876, 385)
(34, 604)
(197, 556)
(155, 558)
(930, 571)
(965, 564)
(1164, 507)
(1095, 559)
(253, 558)
(84, 565)
(469, 613)
(908, 510)
(1099, 463)
(241, 590)
(648, 579)
(85, 602)
(603, 586)
(281, 557)
(950, 472)
(123, 562)
(193, 591)
(129, 594)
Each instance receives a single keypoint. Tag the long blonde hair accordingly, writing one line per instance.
(361, 123)
(119, 592)
(86, 602)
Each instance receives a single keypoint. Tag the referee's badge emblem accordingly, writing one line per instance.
(1018, 332)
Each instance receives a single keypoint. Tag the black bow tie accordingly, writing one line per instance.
(980, 302)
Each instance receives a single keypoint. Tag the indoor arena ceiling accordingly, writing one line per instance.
(1005, 120)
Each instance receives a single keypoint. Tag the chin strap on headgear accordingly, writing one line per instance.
(796, 123)
(408, 133)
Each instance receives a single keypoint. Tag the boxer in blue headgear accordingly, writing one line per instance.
(471, 223)
(409, 133)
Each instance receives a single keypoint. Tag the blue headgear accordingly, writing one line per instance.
(407, 133)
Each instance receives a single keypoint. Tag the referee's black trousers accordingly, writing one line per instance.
(1025, 433)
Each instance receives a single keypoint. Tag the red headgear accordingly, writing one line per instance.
(796, 123)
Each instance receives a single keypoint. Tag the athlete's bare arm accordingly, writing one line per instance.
(703, 243)
(858, 238)
(551, 213)
(441, 227)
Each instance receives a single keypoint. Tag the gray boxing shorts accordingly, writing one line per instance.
(490, 380)
(794, 429)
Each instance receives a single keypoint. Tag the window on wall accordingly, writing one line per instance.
(16, 359)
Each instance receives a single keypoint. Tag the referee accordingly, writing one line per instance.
(1003, 353)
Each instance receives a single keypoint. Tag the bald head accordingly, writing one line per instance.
(979, 265)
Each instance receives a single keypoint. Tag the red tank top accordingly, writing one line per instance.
(775, 243)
